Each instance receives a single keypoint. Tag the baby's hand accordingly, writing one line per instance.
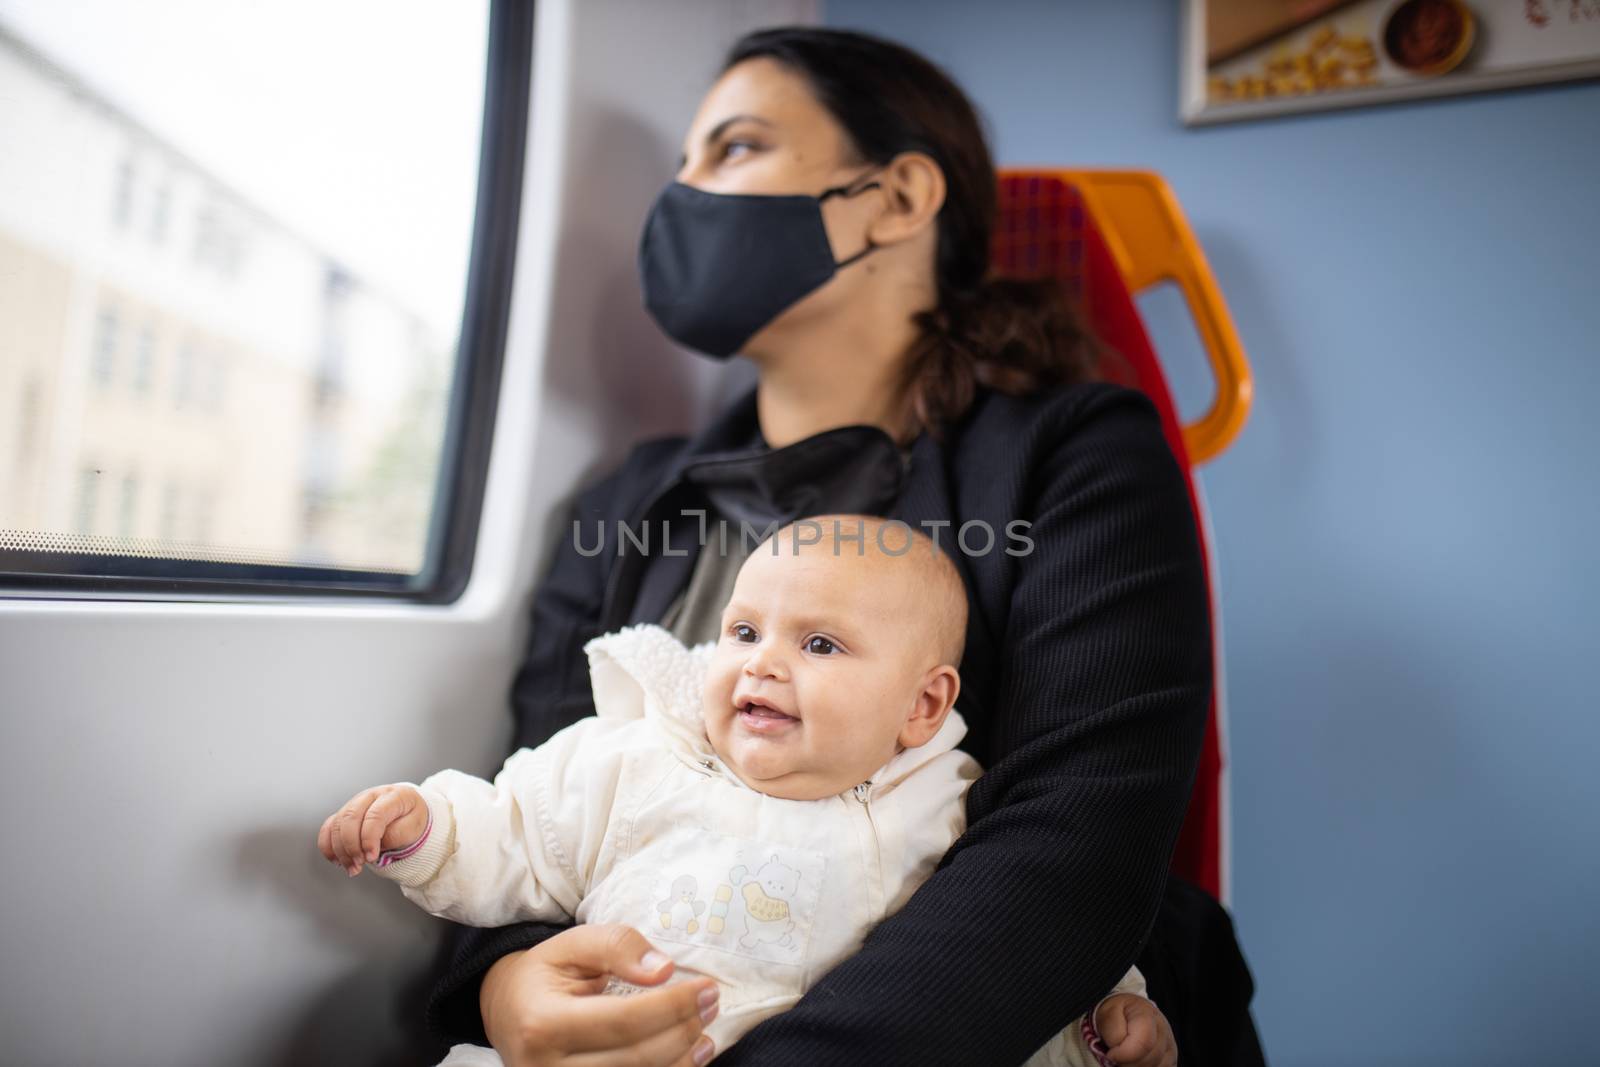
(374, 821)
(1135, 1032)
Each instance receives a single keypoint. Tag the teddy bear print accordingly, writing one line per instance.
(767, 895)
(680, 910)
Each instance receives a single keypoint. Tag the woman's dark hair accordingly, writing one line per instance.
(1011, 334)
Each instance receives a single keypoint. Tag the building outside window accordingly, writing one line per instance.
(144, 357)
(104, 364)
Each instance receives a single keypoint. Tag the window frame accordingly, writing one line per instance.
(469, 424)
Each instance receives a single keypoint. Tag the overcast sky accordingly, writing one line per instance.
(354, 122)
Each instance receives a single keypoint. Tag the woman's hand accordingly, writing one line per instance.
(375, 820)
(1135, 1032)
(544, 1006)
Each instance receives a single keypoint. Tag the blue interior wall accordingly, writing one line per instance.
(1406, 529)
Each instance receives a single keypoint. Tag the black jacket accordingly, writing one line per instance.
(1085, 682)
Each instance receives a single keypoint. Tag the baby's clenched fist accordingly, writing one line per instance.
(1135, 1032)
(374, 821)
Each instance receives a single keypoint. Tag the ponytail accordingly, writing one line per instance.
(1012, 335)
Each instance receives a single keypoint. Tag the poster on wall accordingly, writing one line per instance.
(1247, 59)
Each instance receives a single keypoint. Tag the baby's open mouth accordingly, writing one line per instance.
(762, 718)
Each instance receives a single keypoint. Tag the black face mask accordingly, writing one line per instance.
(717, 267)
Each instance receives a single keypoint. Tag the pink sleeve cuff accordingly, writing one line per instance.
(395, 855)
(1096, 1043)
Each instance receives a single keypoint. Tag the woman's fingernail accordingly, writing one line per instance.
(702, 1051)
(708, 1004)
(653, 961)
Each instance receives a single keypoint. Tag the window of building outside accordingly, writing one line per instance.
(235, 255)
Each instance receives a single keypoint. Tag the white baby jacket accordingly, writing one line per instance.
(629, 816)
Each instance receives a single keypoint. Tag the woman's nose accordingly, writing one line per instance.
(693, 170)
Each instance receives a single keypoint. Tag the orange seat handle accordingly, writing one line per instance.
(1151, 242)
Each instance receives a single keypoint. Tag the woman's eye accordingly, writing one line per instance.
(821, 646)
(728, 150)
(740, 632)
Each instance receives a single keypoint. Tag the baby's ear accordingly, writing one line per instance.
(940, 686)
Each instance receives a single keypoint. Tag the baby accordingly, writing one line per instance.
(753, 805)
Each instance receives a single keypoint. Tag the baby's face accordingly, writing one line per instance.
(820, 662)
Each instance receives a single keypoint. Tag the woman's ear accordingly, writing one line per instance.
(914, 191)
(933, 703)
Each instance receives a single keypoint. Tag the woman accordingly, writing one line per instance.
(831, 223)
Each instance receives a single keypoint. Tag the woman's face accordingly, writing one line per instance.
(761, 131)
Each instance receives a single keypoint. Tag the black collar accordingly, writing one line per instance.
(729, 471)
(854, 468)
(847, 469)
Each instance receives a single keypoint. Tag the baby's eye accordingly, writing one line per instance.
(820, 645)
(740, 630)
